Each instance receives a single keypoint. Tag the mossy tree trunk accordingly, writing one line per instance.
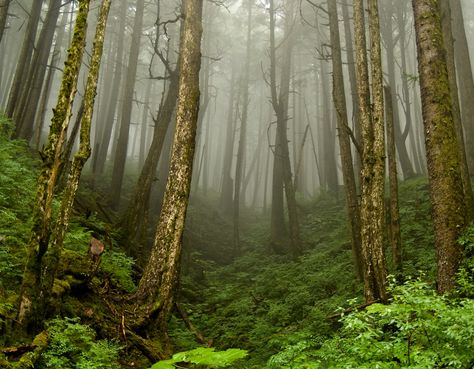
(465, 78)
(453, 86)
(52, 256)
(339, 99)
(32, 302)
(160, 277)
(373, 152)
(446, 190)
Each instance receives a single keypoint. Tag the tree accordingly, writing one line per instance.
(160, 277)
(282, 176)
(465, 78)
(4, 6)
(373, 151)
(31, 302)
(339, 99)
(243, 132)
(126, 113)
(24, 57)
(446, 190)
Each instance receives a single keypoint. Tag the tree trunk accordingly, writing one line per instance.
(108, 123)
(453, 87)
(239, 169)
(139, 203)
(339, 98)
(282, 168)
(4, 5)
(394, 228)
(25, 110)
(400, 139)
(465, 78)
(122, 144)
(53, 254)
(373, 152)
(160, 276)
(447, 196)
(24, 59)
(32, 303)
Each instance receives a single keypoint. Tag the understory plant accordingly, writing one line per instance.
(418, 329)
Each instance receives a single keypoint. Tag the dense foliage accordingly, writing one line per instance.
(282, 311)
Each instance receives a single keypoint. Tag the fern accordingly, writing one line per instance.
(202, 356)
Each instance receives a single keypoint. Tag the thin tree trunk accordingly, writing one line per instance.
(127, 105)
(114, 96)
(339, 98)
(239, 169)
(25, 110)
(4, 5)
(24, 58)
(394, 229)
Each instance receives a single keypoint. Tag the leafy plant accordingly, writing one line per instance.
(73, 346)
(202, 356)
(418, 329)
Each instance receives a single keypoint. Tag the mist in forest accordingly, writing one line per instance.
(207, 147)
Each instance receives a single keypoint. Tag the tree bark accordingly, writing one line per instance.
(160, 276)
(446, 191)
(23, 63)
(373, 152)
(31, 302)
(126, 114)
(394, 228)
(239, 167)
(465, 78)
(25, 110)
(339, 99)
(453, 87)
(4, 6)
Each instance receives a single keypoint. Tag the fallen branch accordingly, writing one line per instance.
(199, 336)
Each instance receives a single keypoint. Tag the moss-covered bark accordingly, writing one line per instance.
(160, 276)
(32, 302)
(373, 152)
(446, 190)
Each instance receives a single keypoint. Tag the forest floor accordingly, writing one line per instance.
(283, 311)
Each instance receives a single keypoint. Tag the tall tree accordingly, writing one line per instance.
(453, 87)
(25, 110)
(373, 151)
(4, 6)
(32, 304)
(160, 277)
(282, 176)
(127, 104)
(24, 58)
(339, 99)
(243, 131)
(446, 190)
(465, 78)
